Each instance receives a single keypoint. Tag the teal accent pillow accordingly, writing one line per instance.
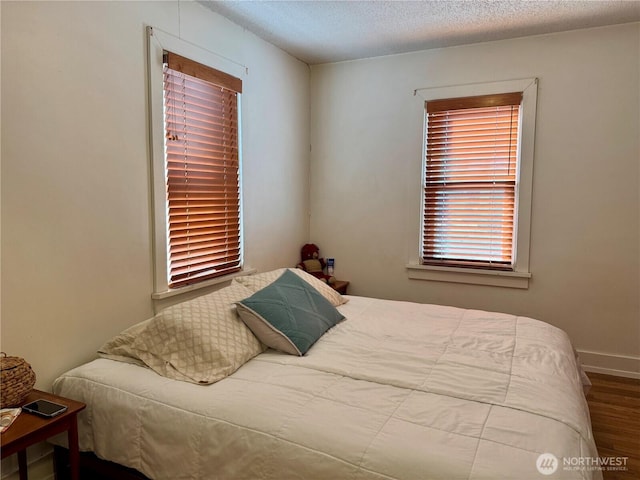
(289, 315)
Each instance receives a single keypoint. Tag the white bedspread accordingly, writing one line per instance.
(397, 391)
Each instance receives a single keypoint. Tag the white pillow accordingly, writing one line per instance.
(199, 341)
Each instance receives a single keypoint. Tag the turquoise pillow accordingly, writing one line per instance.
(288, 315)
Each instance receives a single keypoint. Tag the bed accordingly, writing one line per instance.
(395, 390)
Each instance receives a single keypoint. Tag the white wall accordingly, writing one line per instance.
(76, 223)
(366, 133)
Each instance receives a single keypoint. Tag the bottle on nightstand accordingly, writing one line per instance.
(330, 264)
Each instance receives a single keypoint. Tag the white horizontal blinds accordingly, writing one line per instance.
(470, 181)
(202, 167)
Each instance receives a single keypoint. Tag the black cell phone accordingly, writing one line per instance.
(44, 408)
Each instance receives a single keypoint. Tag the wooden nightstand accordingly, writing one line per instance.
(341, 286)
(30, 429)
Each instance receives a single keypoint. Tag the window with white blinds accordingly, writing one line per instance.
(202, 171)
(470, 181)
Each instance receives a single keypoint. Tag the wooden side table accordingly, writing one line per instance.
(341, 286)
(30, 429)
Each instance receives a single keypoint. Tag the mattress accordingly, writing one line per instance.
(398, 390)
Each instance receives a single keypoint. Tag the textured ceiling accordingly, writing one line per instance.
(329, 31)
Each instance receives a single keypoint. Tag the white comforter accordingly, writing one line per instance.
(397, 391)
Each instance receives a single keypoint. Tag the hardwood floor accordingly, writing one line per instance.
(614, 403)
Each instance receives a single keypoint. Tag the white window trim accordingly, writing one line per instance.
(157, 42)
(196, 286)
(519, 277)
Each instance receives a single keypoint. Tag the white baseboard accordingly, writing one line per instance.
(39, 469)
(610, 364)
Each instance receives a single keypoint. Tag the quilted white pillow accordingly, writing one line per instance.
(260, 280)
(199, 341)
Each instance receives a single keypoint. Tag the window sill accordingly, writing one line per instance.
(190, 288)
(474, 276)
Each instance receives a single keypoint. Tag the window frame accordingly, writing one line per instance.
(446, 176)
(520, 275)
(157, 43)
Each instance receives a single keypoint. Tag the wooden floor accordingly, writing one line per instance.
(614, 403)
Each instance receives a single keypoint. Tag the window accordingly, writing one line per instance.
(201, 170)
(470, 181)
(476, 184)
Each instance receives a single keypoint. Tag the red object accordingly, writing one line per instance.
(312, 263)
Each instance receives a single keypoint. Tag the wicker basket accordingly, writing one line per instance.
(16, 380)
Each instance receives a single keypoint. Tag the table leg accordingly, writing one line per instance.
(60, 457)
(22, 464)
(74, 453)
